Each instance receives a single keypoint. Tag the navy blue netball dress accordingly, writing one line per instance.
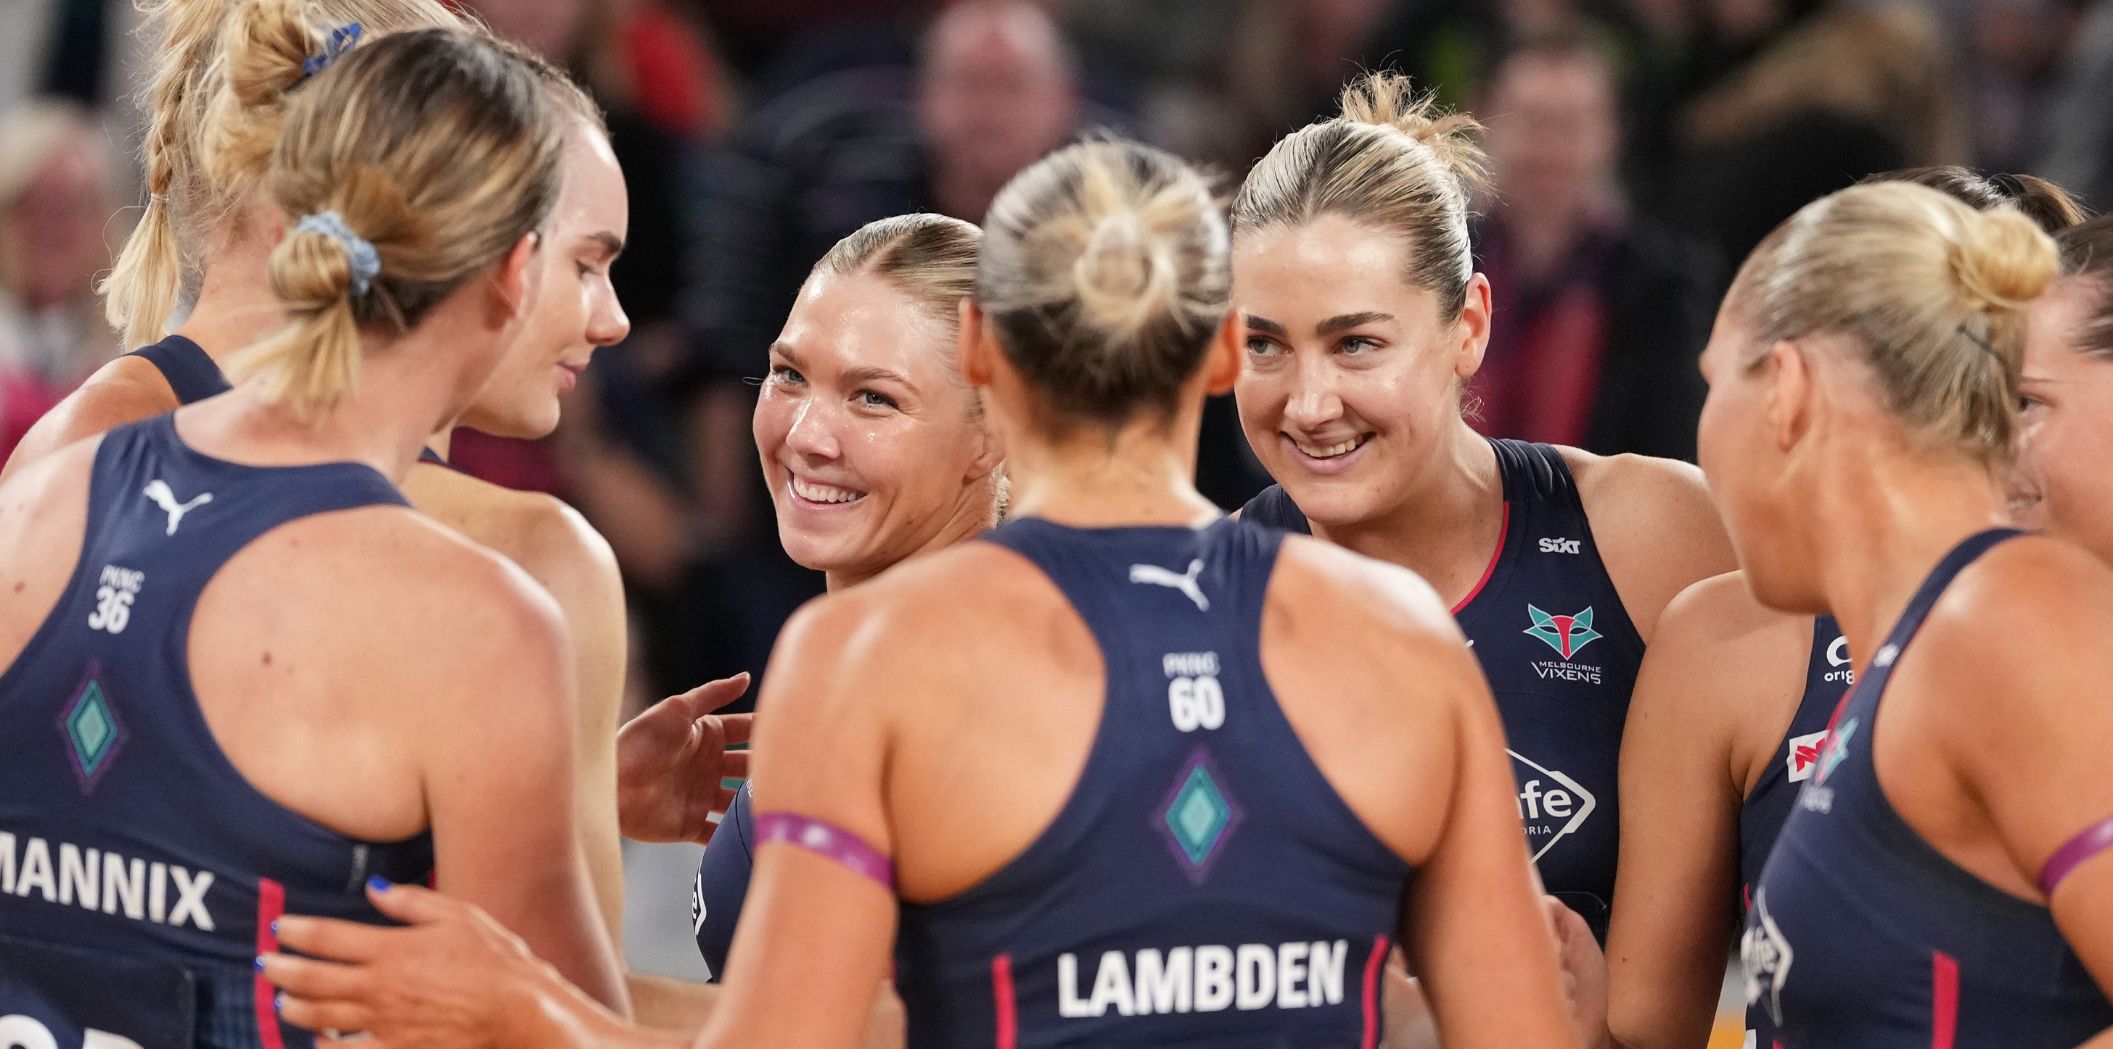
(190, 373)
(140, 873)
(1828, 676)
(1561, 656)
(1863, 936)
(722, 881)
(1204, 884)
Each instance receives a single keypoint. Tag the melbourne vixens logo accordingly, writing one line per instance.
(1568, 635)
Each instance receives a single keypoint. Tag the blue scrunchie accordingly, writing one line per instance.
(341, 40)
(366, 262)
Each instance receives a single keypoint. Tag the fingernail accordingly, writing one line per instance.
(378, 883)
(275, 927)
(260, 963)
(278, 1002)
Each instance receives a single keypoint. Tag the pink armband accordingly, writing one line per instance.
(827, 840)
(2091, 841)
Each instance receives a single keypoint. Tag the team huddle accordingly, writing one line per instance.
(311, 736)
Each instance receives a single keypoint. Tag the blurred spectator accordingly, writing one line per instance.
(1598, 315)
(2010, 55)
(1820, 102)
(2077, 133)
(56, 196)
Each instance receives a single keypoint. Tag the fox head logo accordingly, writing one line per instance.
(1566, 634)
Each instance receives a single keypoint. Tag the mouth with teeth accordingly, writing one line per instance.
(804, 491)
(1328, 452)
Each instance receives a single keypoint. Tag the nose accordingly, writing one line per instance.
(607, 323)
(812, 435)
(1314, 401)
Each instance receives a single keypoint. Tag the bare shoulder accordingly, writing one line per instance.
(1315, 575)
(1655, 527)
(1724, 668)
(43, 516)
(125, 390)
(539, 532)
(1720, 615)
(2028, 604)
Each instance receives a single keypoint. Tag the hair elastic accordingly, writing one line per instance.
(341, 40)
(828, 841)
(366, 262)
(2089, 842)
(1979, 341)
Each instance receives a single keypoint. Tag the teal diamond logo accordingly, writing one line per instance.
(1198, 816)
(92, 729)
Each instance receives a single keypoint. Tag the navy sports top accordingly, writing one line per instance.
(1828, 676)
(722, 881)
(1561, 656)
(191, 374)
(194, 377)
(133, 855)
(1863, 936)
(1204, 884)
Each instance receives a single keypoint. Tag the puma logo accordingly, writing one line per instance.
(1158, 576)
(158, 490)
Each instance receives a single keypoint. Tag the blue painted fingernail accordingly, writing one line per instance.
(275, 927)
(378, 883)
(260, 963)
(278, 1002)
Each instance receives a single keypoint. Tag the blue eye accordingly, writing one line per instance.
(785, 373)
(1358, 344)
(1261, 347)
(871, 399)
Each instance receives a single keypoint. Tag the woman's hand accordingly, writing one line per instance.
(1584, 972)
(671, 760)
(452, 979)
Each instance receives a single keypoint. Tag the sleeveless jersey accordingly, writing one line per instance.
(194, 377)
(1560, 655)
(1863, 936)
(1204, 884)
(191, 374)
(139, 871)
(722, 881)
(1828, 676)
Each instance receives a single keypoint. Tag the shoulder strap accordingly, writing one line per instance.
(1535, 473)
(191, 374)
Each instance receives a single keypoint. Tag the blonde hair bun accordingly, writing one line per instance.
(2001, 262)
(1389, 100)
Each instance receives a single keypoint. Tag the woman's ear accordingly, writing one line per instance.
(972, 346)
(1472, 328)
(1790, 407)
(1228, 350)
(516, 276)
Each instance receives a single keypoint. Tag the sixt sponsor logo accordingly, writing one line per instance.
(1206, 979)
(96, 880)
(1559, 546)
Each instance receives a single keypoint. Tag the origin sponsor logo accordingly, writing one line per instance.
(1552, 806)
(162, 893)
(1838, 658)
(1206, 979)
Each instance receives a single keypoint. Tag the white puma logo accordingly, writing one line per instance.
(158, 490)
(1158, 576)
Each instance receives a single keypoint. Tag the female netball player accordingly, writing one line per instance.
(200, 735)
(1730, 706)
(875, 451)
(214, 125)
(1122, 774)
(1931, 886)
(1365, 320)
(2067, 387)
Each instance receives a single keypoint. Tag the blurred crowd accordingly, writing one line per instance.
(1638, 149)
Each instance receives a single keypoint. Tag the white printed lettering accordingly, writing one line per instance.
(94, 1039)
(1258, 982)
(157, 891)
(190, 898)
(24, 1032)
(36, 871)
(7, 862)
(1069, 1004)
(1291, 974)
(117, 884)
(1163, 988)
(1214, 978)
(76, 878)
(1111, 986)
(1326, 968)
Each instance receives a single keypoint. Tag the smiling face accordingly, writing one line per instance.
(2067, 424)
(873, 448)
(1352, 377)
(577, 309)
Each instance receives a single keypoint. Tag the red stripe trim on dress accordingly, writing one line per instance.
(271, 902)
(1372, 967)
(1001, 993)
(1944, 999)
(1503, 536)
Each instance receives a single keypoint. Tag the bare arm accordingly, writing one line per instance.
(123, 391)
(1473, 928)
(494, 760)
(1720, 664)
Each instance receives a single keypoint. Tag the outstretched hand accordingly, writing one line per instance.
(672, 759)
(452, 978)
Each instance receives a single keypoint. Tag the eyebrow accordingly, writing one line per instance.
(1267, 326)
(785, 350)
(611, 244)
(854, 376)
(1350, 320)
